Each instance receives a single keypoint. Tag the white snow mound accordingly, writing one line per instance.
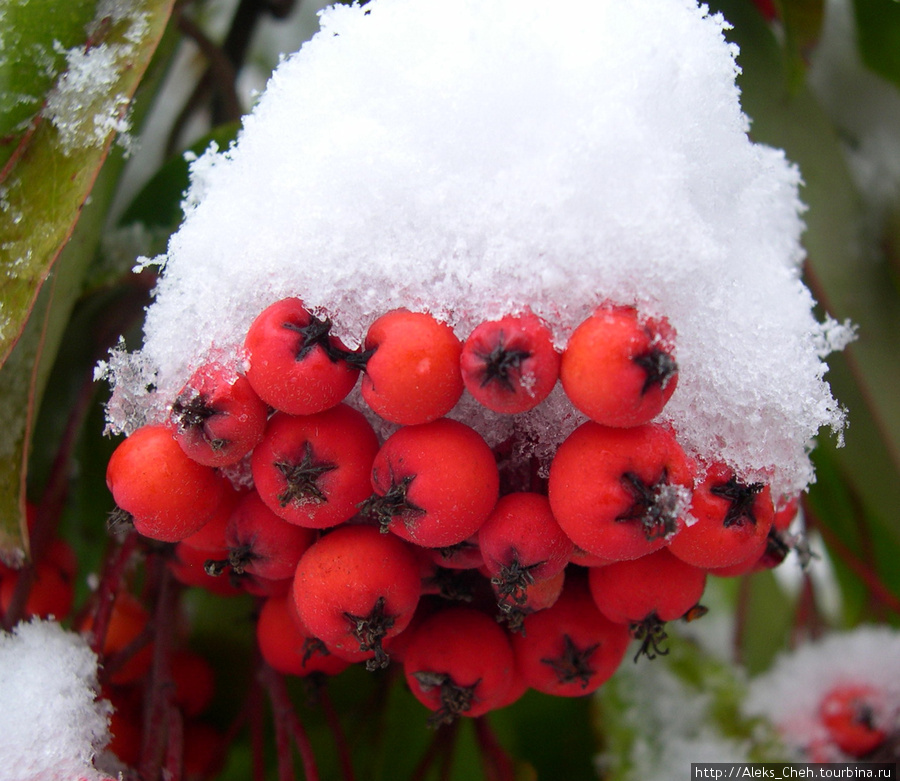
(473, 158)
(51, 723)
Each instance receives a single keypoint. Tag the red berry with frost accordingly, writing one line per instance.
(645, 593)
(217, 416)
(619, 368)
(313, 470)
(294, 364)
(288, 646)
(355, 588)
(521, 543)
(570, 649)
(459, 662)
(854, 715)
(620, 493)
(261, 543)
(435, 483)
(510, 365)
(412, 371)
(732, 519)
(169, 495)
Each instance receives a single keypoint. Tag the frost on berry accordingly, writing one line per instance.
(576, 173)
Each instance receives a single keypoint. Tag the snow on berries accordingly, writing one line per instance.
(505, 312)
(836, 699)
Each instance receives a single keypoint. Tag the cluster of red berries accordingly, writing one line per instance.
(429, 547)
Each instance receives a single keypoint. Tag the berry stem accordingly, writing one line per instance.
(110, 584)
(440, 748)
(158, 705)
(283, 711)
(497, 763)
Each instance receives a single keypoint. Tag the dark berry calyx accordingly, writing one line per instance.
(573, 664)
(455, 699)
(369, 630)
(313, 646)
(499, 363)
(119, 519)
(393, 504)
(454, 585)
(652, 633)
(741, 496)
(316, 333)
(191, 412)
(238, 560)
(655, 506)
(659, 368)
(303, 478)
(514, 579)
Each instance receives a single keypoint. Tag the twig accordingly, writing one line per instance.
(498, 766)
(283, 711)
(340, 738)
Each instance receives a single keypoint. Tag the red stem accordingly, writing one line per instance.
(441, 744)
(174, 746)
(110, 585)
(159, 703)
(863, 570)
(498, 765)
(283, 710)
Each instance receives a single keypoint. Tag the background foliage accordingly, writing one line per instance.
(73, 222)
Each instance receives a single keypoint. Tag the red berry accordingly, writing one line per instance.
(619, 368)
(288, 646)
(412, 374)
(295, 365)
(125, 659)
(540, 595)
(314, 470)
(217, 416)
(435, 483)
(853, 714)
(732, 521)
(570, 648)
(194, 679)
(646, 593)
(355, 588)
(620, 493)
(169, 495)
(260, 543)
(510, 365)
(521, 543)
(459, 662)
(52, 591)
(188, 566)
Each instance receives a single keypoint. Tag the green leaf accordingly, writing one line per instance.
(44, 193)
(878, 29)
(802, 20)
(35, 35)
(46, 188)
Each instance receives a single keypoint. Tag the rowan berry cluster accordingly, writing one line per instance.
(429, 548)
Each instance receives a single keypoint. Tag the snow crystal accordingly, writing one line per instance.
(790, 693)
(83, 106)
(471, 159)
(51, 725)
